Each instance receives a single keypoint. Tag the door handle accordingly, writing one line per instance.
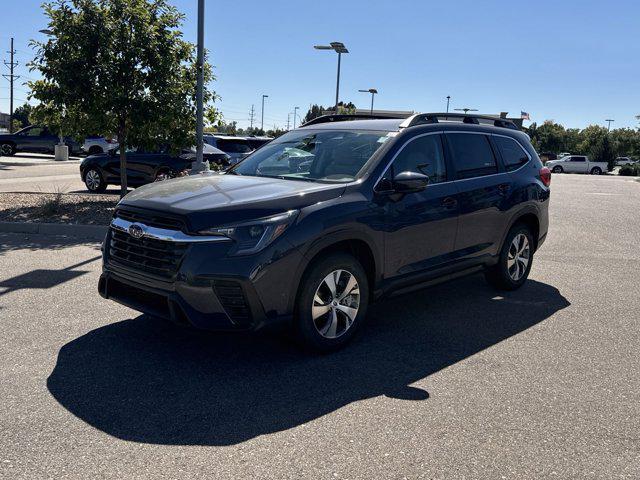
(449, 203)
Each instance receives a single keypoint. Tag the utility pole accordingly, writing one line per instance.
(252, 115)
(11, 77)
(200, 165)
(288, 120)
(262, 113)
(609, 120)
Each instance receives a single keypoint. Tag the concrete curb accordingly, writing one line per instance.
(90, 232)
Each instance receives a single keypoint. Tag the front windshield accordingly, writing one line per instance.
(321, 155)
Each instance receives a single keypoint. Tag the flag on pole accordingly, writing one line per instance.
(524, 115)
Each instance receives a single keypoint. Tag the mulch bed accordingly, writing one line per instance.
(74, 208)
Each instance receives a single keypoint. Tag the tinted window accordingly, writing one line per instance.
(578, 159)
(472, 155)
(512, 153)
(422, 155)
(234, 146)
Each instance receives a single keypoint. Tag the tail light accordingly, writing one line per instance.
(545, 176)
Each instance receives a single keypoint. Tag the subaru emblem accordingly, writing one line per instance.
(136, 230)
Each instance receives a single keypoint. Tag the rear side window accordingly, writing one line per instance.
(422, 155)
(234, 146)
(512, 153)
(472, 155)
(578, 159)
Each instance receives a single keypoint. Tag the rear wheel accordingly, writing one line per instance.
(95, 150)
(7, 149)
(94, 181)
(557, 169)
(596, 171)
(332, 302)
(516, 258)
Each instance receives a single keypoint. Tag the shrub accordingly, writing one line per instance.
(630, 170)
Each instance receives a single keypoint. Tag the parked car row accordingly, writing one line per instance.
(143, 166)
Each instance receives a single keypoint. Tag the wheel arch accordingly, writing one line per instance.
(355, 244)
(528, 217)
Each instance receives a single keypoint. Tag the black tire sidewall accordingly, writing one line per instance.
(13, 150)
(557, 169)
(102, 187)
(304, 325)
(504, 279)
(95, 150)
(596, 171)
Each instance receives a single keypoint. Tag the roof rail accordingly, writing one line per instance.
(349, 116)
(423, 118)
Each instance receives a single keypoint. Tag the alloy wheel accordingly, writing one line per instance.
(335, 304)
(92, 180)
(519, 257)
(6, 149)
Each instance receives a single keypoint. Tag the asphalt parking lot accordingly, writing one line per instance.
(454, 381)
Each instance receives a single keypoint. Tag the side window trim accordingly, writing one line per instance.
(402, 147)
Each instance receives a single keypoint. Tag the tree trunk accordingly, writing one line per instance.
(122, 141)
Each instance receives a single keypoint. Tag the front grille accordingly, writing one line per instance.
(233, 301)
(150, 219)
(153, 257)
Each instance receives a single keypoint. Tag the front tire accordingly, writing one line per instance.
(557, 169)
(94, 181)
(95, 150)
(7, 149)
(332, 302)
(516, 258)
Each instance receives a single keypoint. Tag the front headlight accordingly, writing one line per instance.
(254, 235)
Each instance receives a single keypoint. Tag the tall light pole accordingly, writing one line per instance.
(448, 98)
(373, 92)
(199, 165)
(609, 120)
(339, 48)
(295, 112)
(262, 113)
(466, 110)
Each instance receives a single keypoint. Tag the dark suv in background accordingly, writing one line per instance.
(314, 226)
(33, 139)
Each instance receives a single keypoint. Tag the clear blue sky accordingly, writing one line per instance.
(577, 62)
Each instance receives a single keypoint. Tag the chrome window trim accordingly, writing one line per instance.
(164, 234)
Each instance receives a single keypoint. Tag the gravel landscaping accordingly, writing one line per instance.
(72, 208)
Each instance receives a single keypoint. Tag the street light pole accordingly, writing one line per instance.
(262, 113)
(609, 120)
(448, 98)
(373, 92)
(199, 165)
(339, 48)
(295, 112)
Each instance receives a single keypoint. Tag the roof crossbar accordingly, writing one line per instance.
(350, 116)
(424, 118)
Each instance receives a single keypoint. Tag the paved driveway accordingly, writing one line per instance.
(455, 381)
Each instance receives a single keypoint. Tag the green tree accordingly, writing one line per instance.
(314, 112)
(626, 142)
(603, 151)
(592, 137)
(22, 114)
(550, 137)
(117, 66)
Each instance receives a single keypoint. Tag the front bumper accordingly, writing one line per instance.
(209, 290)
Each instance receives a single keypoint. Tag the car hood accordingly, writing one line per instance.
(217, 199)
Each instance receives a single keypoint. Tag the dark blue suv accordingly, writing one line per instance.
(309, 230)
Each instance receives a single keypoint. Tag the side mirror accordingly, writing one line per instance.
(410, 182)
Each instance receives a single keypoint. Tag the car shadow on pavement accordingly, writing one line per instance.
(145, 380)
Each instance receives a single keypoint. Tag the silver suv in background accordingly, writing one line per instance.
(236, 147)
(94, 145)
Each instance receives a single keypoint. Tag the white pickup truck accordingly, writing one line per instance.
(576, 164)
